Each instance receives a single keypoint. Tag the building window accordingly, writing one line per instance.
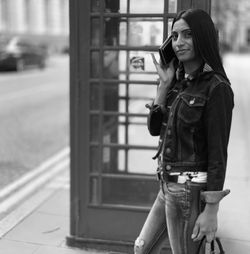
(4, 14)
(64, 16)
(27, 15)
(47, 14)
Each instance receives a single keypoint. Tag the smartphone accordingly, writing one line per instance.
(166, 51)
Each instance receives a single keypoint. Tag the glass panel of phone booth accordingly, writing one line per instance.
(121, 147)
(129, 6)
(172, 6)
(121, 191)
(95, 32)
(95, 68)
(146, 6)
(133, 192)
(132, 31)
(95, 6)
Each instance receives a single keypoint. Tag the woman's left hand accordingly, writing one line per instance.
(206, 224)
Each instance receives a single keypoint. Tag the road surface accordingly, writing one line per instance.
(34, 113)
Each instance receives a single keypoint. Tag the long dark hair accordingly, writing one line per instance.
(205, 37)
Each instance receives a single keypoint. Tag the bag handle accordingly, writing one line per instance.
(217, 240)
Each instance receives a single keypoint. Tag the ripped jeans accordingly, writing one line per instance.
(172, 216)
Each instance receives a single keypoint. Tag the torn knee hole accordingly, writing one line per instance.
(139, 243)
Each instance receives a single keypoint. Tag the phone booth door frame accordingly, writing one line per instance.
(94, 223)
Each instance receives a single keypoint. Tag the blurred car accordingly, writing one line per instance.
(17, 53)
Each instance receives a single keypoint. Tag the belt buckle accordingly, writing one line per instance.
(182, 178)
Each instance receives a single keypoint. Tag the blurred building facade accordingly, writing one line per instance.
(46, 21)
(244, 26)
(232, 18)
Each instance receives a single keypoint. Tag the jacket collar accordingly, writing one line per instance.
(180, 74)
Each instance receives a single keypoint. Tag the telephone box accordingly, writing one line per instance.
(112, 77)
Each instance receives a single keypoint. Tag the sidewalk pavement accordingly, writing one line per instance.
(44, 228)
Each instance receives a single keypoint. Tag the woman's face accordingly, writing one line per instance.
(182, 42)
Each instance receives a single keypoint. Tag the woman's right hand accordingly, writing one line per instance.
(166, 73)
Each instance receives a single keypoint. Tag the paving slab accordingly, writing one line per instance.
(41, 228)
(57, 250)
(58, 204)
(15, 247)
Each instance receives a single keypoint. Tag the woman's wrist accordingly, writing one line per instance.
(160, 98)
(214, 196)
(162, 91)
(165, 84)
(211, 208)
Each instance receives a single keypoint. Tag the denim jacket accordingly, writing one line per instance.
(194, 127)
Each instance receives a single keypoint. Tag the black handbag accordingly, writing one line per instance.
(212, 246)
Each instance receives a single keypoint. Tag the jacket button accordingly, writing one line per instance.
(192, 101)
(168, 150)
(168, 167)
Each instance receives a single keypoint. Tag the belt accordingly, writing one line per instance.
(182, 177)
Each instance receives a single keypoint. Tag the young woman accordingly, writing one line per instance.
(192, 114)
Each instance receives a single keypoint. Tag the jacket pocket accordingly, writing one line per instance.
(191, 108)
